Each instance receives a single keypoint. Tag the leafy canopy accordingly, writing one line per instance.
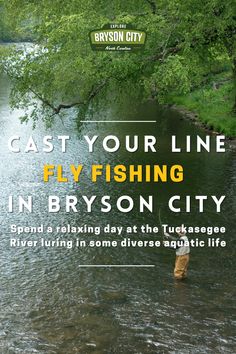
(186, 40)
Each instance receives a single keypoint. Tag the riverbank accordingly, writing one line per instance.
(210, 106)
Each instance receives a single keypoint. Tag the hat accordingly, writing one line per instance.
(181, 231)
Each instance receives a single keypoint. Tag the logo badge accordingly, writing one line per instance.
(117, 38)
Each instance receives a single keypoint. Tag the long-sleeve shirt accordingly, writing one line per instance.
(181, 244)
(184, 248)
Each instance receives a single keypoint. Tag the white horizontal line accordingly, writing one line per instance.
(116, 265)
(118, 121)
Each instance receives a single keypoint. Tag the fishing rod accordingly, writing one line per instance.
(160, 222)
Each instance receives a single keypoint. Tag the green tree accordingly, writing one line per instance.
(4, 31)
(9, 32)
(186, 39)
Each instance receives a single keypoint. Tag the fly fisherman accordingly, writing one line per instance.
(181, 245)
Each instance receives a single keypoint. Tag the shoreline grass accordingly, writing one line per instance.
(212, 103)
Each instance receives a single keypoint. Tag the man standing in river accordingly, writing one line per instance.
(182, 254)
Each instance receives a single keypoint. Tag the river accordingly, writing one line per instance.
(48, 304)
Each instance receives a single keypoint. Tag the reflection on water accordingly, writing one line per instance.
(50, 305)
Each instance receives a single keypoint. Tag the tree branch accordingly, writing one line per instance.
(66, 106)
(95, 90)
(153, 6)
(41, 98)
(56, 110)
(164, 53)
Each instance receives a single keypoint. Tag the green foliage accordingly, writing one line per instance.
(4, 31)
(8, 31)
(186, 40)
(171, 76)
(213, 106)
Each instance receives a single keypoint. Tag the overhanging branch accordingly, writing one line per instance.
(95, 90)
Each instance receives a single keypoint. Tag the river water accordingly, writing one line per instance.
(48, 304)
